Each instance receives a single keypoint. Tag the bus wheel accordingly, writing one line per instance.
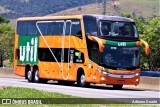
(117, 87)
(82, 81)
(37, 79)
(36, 76)
(29, 76)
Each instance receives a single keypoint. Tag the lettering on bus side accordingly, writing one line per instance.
(28, 49)
(121, 43)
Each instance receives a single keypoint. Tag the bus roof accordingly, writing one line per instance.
(99, 17)
(51, 17)
(111, 18)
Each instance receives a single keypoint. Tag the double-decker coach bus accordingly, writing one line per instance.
(81, 48)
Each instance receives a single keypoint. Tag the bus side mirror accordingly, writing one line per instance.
(147, 48)
(100, 42)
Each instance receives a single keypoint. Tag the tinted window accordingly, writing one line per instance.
(121, 57)
(68, 28)
(49, 28)
(105, 28)
(76, 28)
(118, 29)
(27, 28)
(90, 25)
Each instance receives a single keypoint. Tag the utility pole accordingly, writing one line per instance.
(104, 7)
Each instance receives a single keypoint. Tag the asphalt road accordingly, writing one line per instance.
(92, 92)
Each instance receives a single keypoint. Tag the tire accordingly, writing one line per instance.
(29, 76)
(36, 78)
(82, 81)
(117, 87)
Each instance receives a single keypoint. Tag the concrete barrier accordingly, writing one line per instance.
(8, 73)
(147, 83)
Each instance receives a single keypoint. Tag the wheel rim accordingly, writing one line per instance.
(36, 76)
(29, 75)
(82, 79)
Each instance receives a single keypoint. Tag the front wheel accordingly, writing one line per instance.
(117, 87)
(82, 81)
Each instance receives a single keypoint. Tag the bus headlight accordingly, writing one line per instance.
(137, 74)
(103, 79)
(137, 80)
(104, 73)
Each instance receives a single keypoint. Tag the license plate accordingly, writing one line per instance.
(121, 81)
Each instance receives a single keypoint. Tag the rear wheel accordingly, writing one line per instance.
(117, 87)
(36, 76)
(82, 81)
(37, 79)
(29, 76)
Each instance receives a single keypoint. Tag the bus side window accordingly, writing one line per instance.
(32, 30)
(76, 29)
(68, 25)
(57, 28)
(22, 28)
(27, 28)
(19, 28)
(90, 25)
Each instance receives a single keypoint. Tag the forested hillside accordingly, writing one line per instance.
(139, 8)
(20, 8)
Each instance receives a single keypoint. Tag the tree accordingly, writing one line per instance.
(151, 34)
(3, 20)
(6, 41)
(149, 30)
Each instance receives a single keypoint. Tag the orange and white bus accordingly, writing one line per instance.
(80, 48)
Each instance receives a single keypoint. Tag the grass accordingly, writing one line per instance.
(15, 92)
(10, 92)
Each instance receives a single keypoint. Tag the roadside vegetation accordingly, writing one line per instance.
(15, 92)
(149, 30)
(6, 41)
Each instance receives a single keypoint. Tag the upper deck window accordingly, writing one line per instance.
(25, 28)
(120, 29)
(90, 25)
(29, 28)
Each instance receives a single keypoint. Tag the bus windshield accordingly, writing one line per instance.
(118, 29)
(121, 57)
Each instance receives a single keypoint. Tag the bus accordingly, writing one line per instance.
(84, 49)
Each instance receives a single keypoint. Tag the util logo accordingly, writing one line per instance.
(28, 53)
(122, 44)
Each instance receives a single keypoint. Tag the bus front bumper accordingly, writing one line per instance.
(125, 79)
